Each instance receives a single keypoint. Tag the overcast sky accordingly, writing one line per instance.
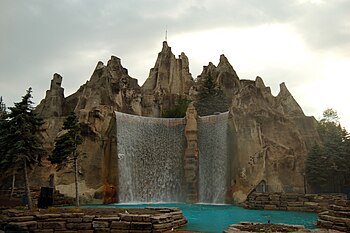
(304, 43)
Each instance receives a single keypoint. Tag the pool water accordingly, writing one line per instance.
(217, 218)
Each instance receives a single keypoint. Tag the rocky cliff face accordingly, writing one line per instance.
(53, 104)
(109, 85)
(169, 74)
(223, 75)
(109, 89)
(168, 80)
(269, 140)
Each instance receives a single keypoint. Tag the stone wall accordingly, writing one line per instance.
(261, 227)
(109, 220)
(337, 217)
(293, 201)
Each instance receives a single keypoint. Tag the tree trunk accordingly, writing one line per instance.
(27, 188)
(13, 184)
(76, 182)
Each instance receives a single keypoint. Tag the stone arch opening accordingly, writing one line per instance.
(261, 187)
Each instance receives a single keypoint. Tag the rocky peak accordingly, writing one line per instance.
(265, 91)
(166, 48)
(209, 70)
(169, 74)
(224, 76)
(56, 82)
(284, 90)
(52, 105)
(109, 85)
(169, 79)
(259, 82)
(115, 64)
(286, 102)
(184, 60)
(225, 66)
(100, 65)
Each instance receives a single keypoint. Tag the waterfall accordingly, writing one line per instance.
(213, 158)
(150, 161)
(150, 158)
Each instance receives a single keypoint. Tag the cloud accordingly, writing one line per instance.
(278, 40)
(326, 25)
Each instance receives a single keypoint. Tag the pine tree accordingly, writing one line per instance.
(19, 140)
(2, 108)
(179, 110)
(210, 98)
(208, 88)
(328, 164)
(315, 168)
(66, 148)
(4, 161)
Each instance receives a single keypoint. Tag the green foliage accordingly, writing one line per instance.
(328, 164)
(2, 108)
(208, 88)
(330, 115)
(315, 166)
(66, 148)
(3, 135)
(66, 144)
(179, 111)
(21, 147)
(210, 98)
(19, 138)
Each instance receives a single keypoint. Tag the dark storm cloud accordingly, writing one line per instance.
(40, 37)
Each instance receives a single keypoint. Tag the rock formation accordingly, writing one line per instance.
(169, 74)
(52, 105)
(168, 80)
(109, 89)
(224, 76)
(108, 86)
(270, 140)
(269, 136)
(191, 155)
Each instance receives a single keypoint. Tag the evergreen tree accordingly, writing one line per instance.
(4, 160)
(328, 164)
(2, 108)
(21, 147)
(179, 110)
(5, 164)
(66, 147)
(315, 168)
(210, 98)
(208, 87)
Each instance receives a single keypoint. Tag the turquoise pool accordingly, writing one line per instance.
(216, 218)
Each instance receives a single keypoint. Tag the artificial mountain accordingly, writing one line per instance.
(269, 135)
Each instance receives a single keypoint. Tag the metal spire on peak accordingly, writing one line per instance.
(166, 33)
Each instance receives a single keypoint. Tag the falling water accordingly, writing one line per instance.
(213, 158)
(150, 154)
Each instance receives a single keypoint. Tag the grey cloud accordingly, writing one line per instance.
(325, 26)
(41, 37)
